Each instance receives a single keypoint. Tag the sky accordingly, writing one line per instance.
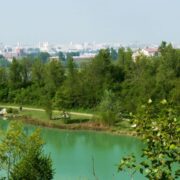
(64, 21)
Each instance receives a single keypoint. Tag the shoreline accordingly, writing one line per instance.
(90, 126)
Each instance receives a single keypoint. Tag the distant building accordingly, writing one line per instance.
(148, 52)
(54, 58)
(85, 56)
(32, 51)
(10, 53)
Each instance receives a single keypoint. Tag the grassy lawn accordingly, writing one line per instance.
(42, 116)
(39, 117)
(80, 110)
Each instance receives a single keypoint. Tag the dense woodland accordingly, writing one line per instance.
(111, 80)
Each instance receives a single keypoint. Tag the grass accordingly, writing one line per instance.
(76, 121)
(41, 115)
(81, 61)
(80, 110)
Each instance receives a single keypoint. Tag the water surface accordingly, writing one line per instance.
(80, 154)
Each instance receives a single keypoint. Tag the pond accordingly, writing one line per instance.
(78, 155)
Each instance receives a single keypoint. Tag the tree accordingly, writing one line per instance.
(67, 95)
(159, 127)
(26, 72)
(54, 77)
(38, 73)
(99, 74)
(44, 57)
(167, 78)
(33, 167)
(61, 56)
(162, 47)
(48, 106)
(125, 58)
(15, 72)
(4, 62)
(22, 157)
(114, 54)
(3, 84)
(108, 109)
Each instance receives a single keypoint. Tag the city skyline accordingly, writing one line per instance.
(60, 21)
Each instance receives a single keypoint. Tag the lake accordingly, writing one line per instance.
(76, 153)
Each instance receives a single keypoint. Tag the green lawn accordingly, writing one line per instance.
(41, 115)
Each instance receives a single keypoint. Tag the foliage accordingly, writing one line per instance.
(66, 95)
(4, 62)
(114, 54)
(22, 157)
(31, 79)
(48, 106)
(108, 109)
(112, 83)
(12, 111)
(34, 166)
(159, 128)
(43, 56)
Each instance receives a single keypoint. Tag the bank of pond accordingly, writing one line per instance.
(86, 154)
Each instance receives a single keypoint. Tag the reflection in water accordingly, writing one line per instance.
(72, 153)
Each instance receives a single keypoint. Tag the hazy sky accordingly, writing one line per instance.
(62, 21)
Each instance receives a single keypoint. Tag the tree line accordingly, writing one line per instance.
(110, 81)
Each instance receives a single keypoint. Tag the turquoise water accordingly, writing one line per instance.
(76, 153)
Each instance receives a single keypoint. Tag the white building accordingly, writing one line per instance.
(148, 52)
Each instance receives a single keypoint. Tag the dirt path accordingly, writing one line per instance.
(42, 110)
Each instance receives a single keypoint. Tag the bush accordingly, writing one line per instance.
(159, 127)
(108, 118)
(15, 111)
(12, 111)
(9, 110)
(109, 109)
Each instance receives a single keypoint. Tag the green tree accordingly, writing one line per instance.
(61, 56)
(121, 56)
(33, 167)
(109, 109)
(15, 75)
(159, 127)
(22, 157)
(26, 72)
(114, 54)
(3, 84)
(54, 77)
(125, 59)
(4, 62)
(43, 56)
(48, 105)
(38, 73)
(167, 78)
(67, 94)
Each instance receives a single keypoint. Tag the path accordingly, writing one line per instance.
(39, 109)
